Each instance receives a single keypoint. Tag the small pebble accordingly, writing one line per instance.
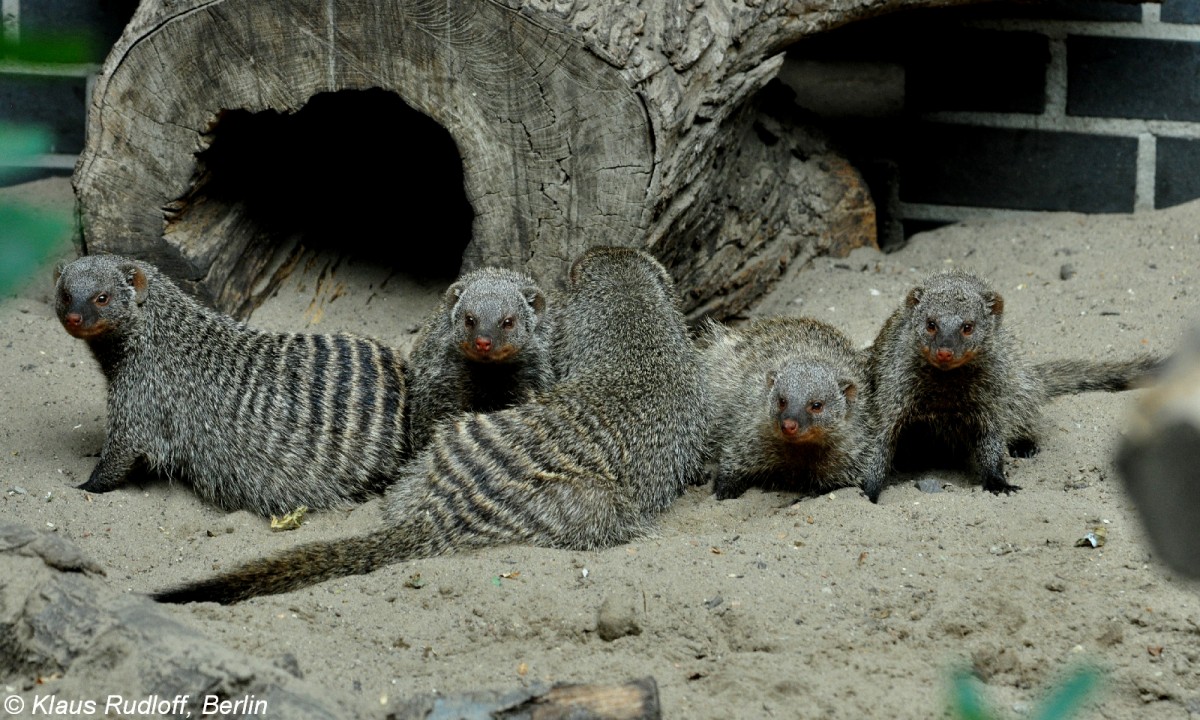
(929, 485)
(1067, 271)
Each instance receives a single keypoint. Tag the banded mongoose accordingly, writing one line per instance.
(787, 415)
(586, 465)
(946, 385)
(486, 347)
(254, 420)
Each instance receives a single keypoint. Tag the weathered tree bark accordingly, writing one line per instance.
(628, 123)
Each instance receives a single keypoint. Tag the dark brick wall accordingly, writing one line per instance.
(1180, 11)
(1133, 78)
(1104, 10)
(958, 71)
(1018, 169)
(1177, 171)
(982, 128)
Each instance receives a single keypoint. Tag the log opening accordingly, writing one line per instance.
(355, 173)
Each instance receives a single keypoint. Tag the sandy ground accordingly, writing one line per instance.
(765, 606)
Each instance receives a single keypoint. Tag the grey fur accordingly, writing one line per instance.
(786, 406)
(253, 420)
(587, 465)
(946, 385)
(486, 347)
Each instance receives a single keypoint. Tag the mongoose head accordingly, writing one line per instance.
(496, 313)
(96, 294)
(953, 316)
(808, 399)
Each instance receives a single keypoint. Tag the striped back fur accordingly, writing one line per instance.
(587, 465)
(253, 420)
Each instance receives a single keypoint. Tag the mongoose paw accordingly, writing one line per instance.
(1001, 486)
(94, 484)
(727, 491)
(93, 487)
(1023, 448)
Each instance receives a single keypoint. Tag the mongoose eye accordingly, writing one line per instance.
(783, 403)
(469, 320)
(931, 326)
(816, 406)
(968, 328)
(102, 299)
(508, 322)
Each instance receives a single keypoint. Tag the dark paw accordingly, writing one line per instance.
(1000, 486)
(94, 484)
(1023, 448)
(727, 491)
(93, 487)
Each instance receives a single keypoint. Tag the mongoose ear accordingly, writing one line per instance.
(454, 292)
(135, 278)
(849, 390)
(994, 302)
(58, 270)
(771, 376)
(577, 269)
(914, 297)
(534, 297)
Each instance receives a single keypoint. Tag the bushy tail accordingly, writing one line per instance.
(300, 567)
(1069, 377)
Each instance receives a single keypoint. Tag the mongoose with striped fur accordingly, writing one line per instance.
(586, 465)
(486, 347)
(254, 420)
(786, 402)
(946, 385)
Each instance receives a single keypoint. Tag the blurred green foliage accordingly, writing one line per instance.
(1063, 702)
(29, 237)
(49, 48)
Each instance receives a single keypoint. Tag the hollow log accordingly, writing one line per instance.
(227, 137)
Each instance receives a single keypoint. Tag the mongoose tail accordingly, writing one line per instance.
(1069, 377)
(300, 567)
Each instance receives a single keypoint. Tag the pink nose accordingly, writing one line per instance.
(483, 344)
(789, 426)
(944, 355)
(74, 319)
